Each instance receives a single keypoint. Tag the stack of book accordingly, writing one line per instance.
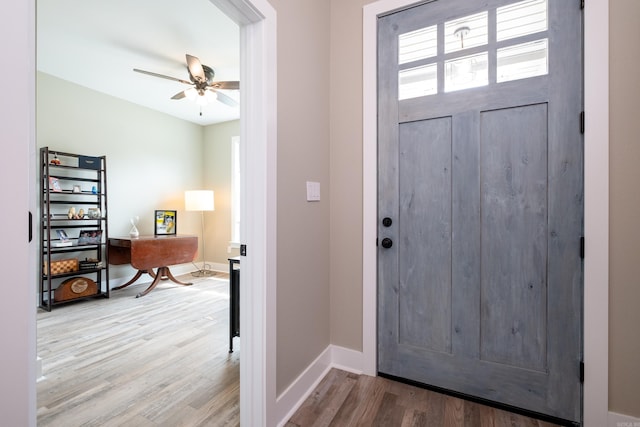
(90, 264)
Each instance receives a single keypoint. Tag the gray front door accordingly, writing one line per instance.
(480, 200)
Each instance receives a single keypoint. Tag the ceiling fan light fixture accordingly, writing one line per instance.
(202, 100)
(191, 93)
(203, 88)
(210, 96)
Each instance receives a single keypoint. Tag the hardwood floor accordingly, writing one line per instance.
(157, 360)
(345, 399)
(162, 360)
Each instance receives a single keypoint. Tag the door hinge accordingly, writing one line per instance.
(581, 4)
(30, 226)
(582, 122)
(243, 250)
(376, 241)
(582, 247)
(582, 371)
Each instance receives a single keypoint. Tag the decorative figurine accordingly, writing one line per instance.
(134, 230)
(94, 213)
(72, 213)
(55, 160)
(80, 214)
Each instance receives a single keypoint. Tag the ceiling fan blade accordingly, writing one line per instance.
(162, 76)
(179, 95)
(225, 99)
(230, 85)
(195, 68)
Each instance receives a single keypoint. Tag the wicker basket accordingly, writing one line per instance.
(61, 266)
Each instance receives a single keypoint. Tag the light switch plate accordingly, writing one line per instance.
(313, 191)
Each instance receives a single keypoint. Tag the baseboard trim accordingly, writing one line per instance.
(346, 359)
(332, 357)
(176, 270)
(39, 376)
(621, 420)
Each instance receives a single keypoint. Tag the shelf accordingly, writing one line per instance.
(83, 298)
(74, 225)
(52, 166)
(74, 273)
(76, 248)
(54, 207)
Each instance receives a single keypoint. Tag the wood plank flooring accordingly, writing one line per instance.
(162, 360)
(159, 360)
(345, 399)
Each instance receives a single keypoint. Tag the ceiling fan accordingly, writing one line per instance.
(203, 89)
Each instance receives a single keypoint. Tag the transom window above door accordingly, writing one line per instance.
(490, 47)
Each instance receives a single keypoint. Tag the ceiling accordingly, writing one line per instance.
(96, 44)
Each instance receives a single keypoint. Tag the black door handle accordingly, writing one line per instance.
(387, 243)
(387, 222)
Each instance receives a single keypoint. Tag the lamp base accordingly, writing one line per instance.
(203, 273)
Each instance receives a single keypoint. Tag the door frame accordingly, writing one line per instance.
(257, 20)
(258, 133)
(596, 191)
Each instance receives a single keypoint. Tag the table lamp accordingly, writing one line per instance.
(200, 200)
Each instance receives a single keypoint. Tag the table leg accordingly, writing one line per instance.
(166, 273)
(163, 272)
(136, 277)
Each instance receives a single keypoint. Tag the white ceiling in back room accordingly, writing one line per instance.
(97, 44)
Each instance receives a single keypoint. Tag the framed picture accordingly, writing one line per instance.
(62, 235)
(90, 237)
(54, 184)
(165, 222)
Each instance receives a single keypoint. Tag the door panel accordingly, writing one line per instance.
(425, 213)
(481, 290)
(514, 236)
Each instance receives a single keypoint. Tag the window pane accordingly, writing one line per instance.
(419, 44)
(519, 19)
(522, 61)
(419, 81)
(235, 189)
(467, 72)
(465, 32)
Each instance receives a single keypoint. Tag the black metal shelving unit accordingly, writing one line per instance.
(80, 182)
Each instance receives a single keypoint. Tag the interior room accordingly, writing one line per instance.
(91, 102)
(315, 287)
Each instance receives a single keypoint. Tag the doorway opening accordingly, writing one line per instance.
(258, 129)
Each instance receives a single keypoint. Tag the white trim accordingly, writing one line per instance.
(620, 420)
(346, 359)
(596, 218)
(596, 265)
(258, 133)
(301, 388)
(18, 315)
(294, 396)
(39, 376)
(369, 185)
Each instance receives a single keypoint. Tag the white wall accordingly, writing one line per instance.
(152, 158)
(217, 177)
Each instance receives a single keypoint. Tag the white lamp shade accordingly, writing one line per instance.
(198, 200)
